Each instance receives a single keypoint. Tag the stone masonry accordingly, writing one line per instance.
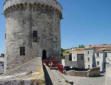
(23, 17)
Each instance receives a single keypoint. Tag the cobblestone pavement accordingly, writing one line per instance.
(86, 80)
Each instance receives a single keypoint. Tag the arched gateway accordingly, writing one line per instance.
(44, 54)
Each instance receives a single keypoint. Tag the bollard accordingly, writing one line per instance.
(60, 68)
(47, 62)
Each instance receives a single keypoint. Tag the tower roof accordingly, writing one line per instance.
(52, 3)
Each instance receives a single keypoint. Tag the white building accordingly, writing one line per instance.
(67, 61)
(89, 58)
(74, 58)
(108, 74)
(97, 56)
(78, 57)
(100, 61)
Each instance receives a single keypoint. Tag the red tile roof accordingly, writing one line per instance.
(98, 46)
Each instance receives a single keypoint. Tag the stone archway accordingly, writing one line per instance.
(44, 54)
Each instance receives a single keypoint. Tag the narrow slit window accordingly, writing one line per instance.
(34, 36)
(22, 51)
(5, 35)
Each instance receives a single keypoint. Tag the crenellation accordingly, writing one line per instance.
(34, 6)
(54, 4)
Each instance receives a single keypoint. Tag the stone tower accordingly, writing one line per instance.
(32, 30)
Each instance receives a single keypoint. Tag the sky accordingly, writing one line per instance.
(85, 22)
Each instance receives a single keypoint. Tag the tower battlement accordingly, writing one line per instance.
(52, 4)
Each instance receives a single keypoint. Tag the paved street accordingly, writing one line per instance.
(86, 80)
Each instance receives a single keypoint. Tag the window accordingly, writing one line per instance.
(105, 54)
(88, 52)
(80, 56)
(22, 51)
(1, 63)
(97, 62)
(5, 35)
(35, 36)
(97, 54)
(88, 59)
(70, 57)
(89, 66)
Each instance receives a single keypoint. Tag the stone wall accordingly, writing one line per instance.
(57, 78)
(78, 73)
(53, 3)
(22, 82)
(67, 62)
(95, 72)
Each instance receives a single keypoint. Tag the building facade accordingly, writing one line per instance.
(74, 58)
(67, 61)
(32, 30)
(78, 57)
(101, 61)
(97, 56)
(2, 64)
(89, 60)
(89, 57)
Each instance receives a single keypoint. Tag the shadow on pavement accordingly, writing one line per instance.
(47, 77)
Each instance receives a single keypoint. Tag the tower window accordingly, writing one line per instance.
(5, 35)
(22, 51)
(34, 36)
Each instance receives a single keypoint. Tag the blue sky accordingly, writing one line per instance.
(84, 22)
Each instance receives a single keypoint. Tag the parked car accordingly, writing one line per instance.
(67, 68)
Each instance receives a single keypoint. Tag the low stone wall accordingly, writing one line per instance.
(94, 72)
(56, 77)
(90, 73)
(77, 73)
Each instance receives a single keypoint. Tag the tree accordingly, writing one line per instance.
(62, 50)
(81, 46)
(2, 55)
(63, 57)
(104, 44)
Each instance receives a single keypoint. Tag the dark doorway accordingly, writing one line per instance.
(44, 54)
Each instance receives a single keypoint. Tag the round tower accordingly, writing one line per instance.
(32, 30)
